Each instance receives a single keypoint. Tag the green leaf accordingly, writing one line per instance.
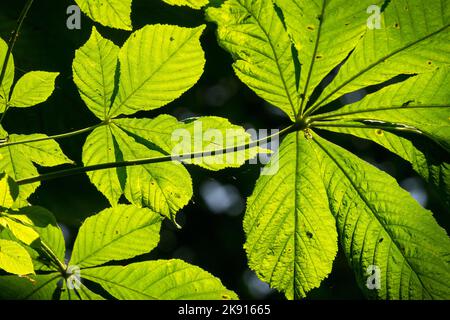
(45, 224)
(101, 147)
(8, 191)
(323, 33)
(33, 88)
(36, 287)
(94, 70)
(421, 102)
(414, 38)
(5, 85)
(200, 135)
(380, 224)
(264, 60)
(118, 233)
(196, 4)
(163, 187)
(158, 63)
(162, 279)
(291, 233)
(17, 160)
(14, 258)
(110, 13)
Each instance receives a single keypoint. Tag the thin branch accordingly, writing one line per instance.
(167, 158)
(57, 136)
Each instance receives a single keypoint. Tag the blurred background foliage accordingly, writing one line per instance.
(212, 235)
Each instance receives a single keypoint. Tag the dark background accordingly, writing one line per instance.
(212, 235)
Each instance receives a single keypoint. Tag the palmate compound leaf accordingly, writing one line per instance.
(150, 77)
(124, 231)
(110, 13)
(196, 4)
(249, 29)
(17, 160)
(117, 233)
(161, 279)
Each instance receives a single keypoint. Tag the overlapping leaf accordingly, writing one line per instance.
(14, 258)
(422, 102)
(208, 136)
(110, 13)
